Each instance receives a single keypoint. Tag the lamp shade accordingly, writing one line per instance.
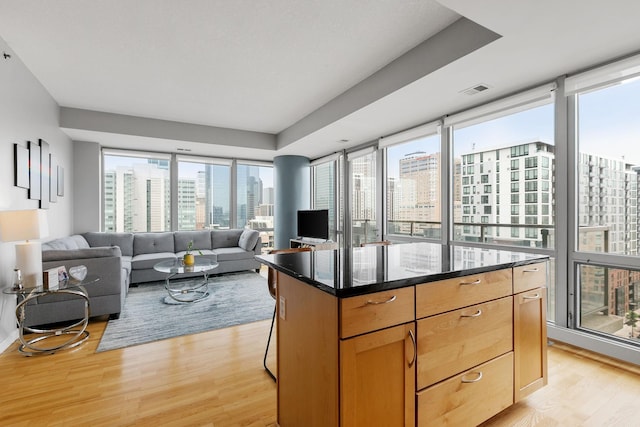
(23, 225)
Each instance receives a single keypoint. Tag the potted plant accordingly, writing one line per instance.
(189, 258)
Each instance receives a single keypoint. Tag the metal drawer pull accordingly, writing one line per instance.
(475, 282)
(392, 299)
(476, 314)
(415, 347)
(530, 270)
(473, 381)
(536, 296)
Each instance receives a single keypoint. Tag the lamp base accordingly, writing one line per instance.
(29, 260)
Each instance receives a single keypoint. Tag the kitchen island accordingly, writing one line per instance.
(407, 334)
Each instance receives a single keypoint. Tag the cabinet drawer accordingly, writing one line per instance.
(458, 340)
(366, 313)
(450, 294)
(469, 398)
(530, 276)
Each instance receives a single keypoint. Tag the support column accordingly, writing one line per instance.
(292, 181)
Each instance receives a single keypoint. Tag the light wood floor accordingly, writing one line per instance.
(216, 379)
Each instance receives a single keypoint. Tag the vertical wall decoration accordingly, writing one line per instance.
(45, 172)
(60, 181)
(53, 179)
(21, 166)
(34, 170)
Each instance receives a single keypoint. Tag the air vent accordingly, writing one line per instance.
(183, 149)
(476, 89)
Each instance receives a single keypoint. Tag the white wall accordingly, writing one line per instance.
(86, 187)
(27, 112)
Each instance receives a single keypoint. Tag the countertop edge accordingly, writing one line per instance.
(401, 283)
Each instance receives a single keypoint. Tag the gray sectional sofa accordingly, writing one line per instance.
(123, 259)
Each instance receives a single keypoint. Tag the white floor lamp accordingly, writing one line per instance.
(26, 225)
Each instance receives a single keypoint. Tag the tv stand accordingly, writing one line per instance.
(314, 244)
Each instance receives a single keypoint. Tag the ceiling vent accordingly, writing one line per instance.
(476, 89)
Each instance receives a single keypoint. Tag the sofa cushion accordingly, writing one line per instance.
(123, 240)
(147, 261)
(232, 254)
(225, 238)
(70, 242)
(152, 243)
(85, 253)
(200, 239)
(248, 239)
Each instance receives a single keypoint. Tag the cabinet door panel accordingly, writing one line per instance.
(366, 313)
(377, 378)
(456, 341)
(530, 341)
(469, 398)
(530, 276)
(451, 294)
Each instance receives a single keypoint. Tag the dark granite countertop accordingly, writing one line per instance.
(359, 271)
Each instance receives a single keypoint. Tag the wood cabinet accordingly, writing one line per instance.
(449, 352)
(453, 342)
(444, 295)
(377, 378)
(366, 313)
(532, 276)
(469, 398)
(530, 341)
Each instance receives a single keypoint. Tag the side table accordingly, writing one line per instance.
(76, 331)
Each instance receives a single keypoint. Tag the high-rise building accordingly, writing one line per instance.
(217, 187)
(138, 198)
(507, 195)
(187, 217)
(607, 222)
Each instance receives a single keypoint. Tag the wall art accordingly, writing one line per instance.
(21, 166)
(60, 181)
(45, 172)
(34, 170)
(53, 179)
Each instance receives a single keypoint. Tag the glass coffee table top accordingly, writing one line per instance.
(177, 266)
(186, 291)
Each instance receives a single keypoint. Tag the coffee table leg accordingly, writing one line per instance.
(188, 294)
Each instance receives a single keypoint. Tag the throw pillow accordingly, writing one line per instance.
(248, 239)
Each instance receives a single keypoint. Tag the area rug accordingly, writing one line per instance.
(235, 299)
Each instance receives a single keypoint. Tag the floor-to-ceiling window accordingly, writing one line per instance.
(363, 189)
(204, 193)
(503, 187)
(326, 191)
(503, 176)
(607, 160)
(413, 187)
(136, 192)
(255, 198)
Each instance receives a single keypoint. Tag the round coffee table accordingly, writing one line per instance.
(186, 291)
(76, 331)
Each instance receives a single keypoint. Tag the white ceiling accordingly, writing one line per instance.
(265, 66)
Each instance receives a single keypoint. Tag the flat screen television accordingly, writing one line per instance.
(314, 224)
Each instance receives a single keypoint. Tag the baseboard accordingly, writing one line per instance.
(9, 340)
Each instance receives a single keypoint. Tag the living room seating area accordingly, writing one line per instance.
(122, 259)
